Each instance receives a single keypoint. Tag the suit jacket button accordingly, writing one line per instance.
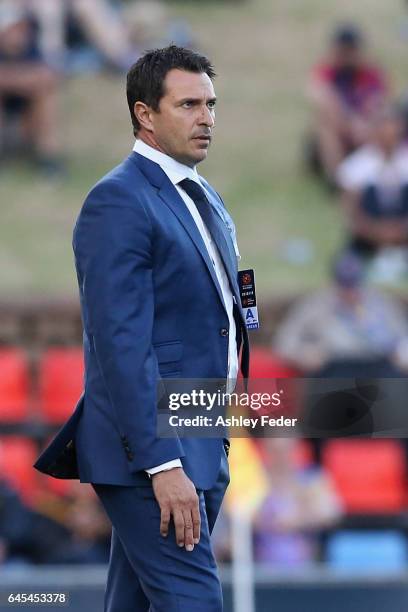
(224, 332)
(130, 456)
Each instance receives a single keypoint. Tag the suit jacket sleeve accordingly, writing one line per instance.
(113, 251)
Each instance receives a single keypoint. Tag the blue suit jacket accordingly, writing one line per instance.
(151, 308)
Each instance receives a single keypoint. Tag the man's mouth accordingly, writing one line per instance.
(203, 138)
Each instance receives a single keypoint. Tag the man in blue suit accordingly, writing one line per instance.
(156, 261)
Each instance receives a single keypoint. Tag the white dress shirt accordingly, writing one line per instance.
(177, 172)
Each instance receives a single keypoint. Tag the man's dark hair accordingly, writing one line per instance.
(145, 79)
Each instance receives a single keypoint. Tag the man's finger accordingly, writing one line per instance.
(196, 522)
(188, 530)
(178, 519)
(164, 521)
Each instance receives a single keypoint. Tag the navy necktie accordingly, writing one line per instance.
(212, 222)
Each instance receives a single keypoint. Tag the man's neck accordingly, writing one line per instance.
(175, 171)
(151, 142)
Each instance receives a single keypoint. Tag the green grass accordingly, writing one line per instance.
(262, 50)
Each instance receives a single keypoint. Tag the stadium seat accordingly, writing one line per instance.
(17, 455)
(60, 383)
(14, 385)
(303, 454)
(369, 475)
(367, 551)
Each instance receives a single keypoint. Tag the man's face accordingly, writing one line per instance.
(182, 126)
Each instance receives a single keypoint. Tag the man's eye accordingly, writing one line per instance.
(211, 105)
(187, 104)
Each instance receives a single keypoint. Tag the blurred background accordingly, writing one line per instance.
(311, 156)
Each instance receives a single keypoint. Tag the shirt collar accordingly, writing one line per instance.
(175, 171)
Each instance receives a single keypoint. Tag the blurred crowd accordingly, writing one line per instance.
(358, 145)
(42, 42)
(301, 507)
(64, 523)
(64, 527)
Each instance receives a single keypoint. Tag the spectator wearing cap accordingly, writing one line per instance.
(28, 89)
(346, 329)
(345, 89)
(374, 184)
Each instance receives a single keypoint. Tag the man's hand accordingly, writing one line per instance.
(176, 496)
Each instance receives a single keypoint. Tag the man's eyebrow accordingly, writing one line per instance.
(197, 100)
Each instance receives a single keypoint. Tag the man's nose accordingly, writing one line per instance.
(207, 117)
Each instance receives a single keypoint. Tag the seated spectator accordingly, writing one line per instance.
(89, 529)
(75, 530)
(82, 35)
(88, 35)
(346, 329)
(374, 184)
(300, 505)
(151, 25)
(345, 89)
(26, 536)
(28, 89)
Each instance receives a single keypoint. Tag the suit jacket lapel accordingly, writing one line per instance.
(170, 196)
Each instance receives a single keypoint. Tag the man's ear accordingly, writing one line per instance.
(143, 114)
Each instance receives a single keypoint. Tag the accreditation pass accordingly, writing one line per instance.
(246, 283)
